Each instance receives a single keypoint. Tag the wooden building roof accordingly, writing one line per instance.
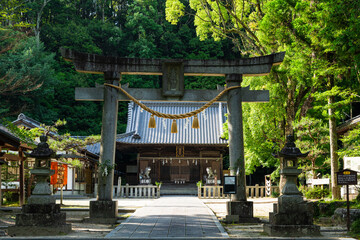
(211, 125)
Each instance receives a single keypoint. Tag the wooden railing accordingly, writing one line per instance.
(251, 191)
(136, 191)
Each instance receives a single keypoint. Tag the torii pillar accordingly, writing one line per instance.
(104, 209)
(238, 210)
(173, 72)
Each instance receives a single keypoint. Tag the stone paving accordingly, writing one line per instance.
(171, 217)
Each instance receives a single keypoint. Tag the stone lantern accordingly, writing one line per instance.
(42, 192)
(41, 216)
(292, 215)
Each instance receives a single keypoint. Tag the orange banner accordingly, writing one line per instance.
(53, 178)
(59, 178)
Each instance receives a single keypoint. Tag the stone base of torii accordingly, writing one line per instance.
(172, 72)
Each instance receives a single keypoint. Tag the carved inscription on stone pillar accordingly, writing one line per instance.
(173, 79)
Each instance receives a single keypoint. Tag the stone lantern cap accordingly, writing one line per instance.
(42, 150)
(290, 150)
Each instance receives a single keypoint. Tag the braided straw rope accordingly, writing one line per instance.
(173, 116)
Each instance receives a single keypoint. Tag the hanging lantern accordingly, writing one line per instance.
(188, 162)
(195, 123)
(196, 162)
(152, 123)
(174, 127)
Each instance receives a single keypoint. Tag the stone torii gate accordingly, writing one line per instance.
(173, 72)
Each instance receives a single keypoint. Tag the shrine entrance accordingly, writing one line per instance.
(181, 170)
(173, 72)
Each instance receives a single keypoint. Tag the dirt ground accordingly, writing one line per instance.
(81, 229)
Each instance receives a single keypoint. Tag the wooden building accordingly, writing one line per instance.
(12, 155)
(80, 180)
(181, 157)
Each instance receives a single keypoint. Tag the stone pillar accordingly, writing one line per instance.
(239, 210)
(105, 209)
(236, 141)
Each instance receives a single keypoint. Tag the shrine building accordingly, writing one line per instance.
(181, 157)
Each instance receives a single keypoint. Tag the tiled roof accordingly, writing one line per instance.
(211, 121)
(28, 122)
(8, 137)
(95, 148)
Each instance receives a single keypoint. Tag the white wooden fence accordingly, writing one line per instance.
(251, 191)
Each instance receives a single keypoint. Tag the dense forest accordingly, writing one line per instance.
(310, 93)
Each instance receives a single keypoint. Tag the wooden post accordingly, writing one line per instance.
(21, 178)
(347, 207)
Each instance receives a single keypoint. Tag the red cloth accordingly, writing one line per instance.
(53, 178)
(65, 174)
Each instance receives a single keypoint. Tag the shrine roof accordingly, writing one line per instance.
(95, 148)
(211, 122)
(7, 137)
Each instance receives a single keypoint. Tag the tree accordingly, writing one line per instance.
(310, 33)
(11, 12)
(312, 136)
(24, 68)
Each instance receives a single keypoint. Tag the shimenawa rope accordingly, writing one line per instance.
(173, 116)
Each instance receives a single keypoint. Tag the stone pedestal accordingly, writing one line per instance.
(292, 217)
(105, 212)
(240, 212)
(40, 220)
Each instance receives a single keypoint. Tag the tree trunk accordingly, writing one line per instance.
(290, 117)
(333, 148)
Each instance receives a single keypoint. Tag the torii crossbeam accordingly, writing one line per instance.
(173, 72)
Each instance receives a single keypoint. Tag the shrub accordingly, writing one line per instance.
(275, 194)
(327, 209)
(316, 193)
(10, 197)
(355, 226)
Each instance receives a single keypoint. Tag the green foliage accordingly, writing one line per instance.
(199, 184)
(26, 136)
(11, 12)
(24, 68)
(73, 162)
(351, 143)
(105, 167)
(10, 198)
(355, 226)
(327, 208)
(316, 193)
(312, 137)
(275, 194)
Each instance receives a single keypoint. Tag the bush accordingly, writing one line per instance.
(275, 194)
(316, 193)
(10, 197)
(355, 226)
(328, 208)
